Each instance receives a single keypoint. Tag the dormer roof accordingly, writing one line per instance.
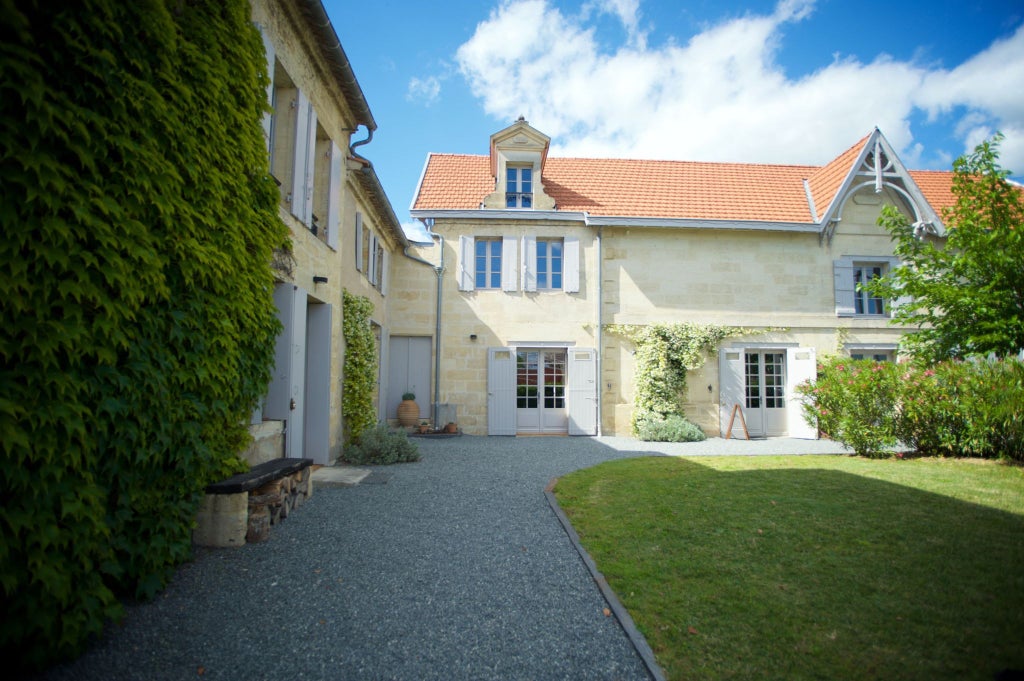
(522, 137)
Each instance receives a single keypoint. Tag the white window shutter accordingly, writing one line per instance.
(334, 198)
(298, 193)
(571, 264)
(467, 266)
(842, 274)
(800, 366)
(310, 167)
(372, 274)
(509, 263)
(385, 261)
(359, 242)
(268, 48)
(529, 263)
(902, 301)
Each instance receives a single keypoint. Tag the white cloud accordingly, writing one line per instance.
(426, 90)
(722, 96)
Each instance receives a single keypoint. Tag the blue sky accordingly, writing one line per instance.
(791, 81)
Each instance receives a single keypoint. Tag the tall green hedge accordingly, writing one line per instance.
(137, 326)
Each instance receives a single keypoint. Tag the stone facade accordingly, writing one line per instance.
(329, 194)
(787, 274)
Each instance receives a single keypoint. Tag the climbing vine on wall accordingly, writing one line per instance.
(360, 382)
(137, 326)
(664, 353)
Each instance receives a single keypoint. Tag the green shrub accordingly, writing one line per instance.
(137, 325)
(381, 445)
(854, 402)
(954, 408)
(674, 428)
(964, 408)
(360, 373)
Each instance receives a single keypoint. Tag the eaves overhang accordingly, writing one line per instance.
(327, 39)
(617, 221)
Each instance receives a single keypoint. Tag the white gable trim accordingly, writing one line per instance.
(888, 177)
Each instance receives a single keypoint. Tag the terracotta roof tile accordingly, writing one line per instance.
(665, 189)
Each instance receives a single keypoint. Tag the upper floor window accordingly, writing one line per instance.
(549, 264)
(852, 274)
(519, 187)
(488, 263)
(864, 302)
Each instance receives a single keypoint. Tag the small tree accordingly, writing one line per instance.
(968, 294)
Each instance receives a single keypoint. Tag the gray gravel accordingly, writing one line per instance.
(455, 568)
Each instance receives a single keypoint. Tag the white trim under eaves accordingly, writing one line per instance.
(492, 214)
(685, 223)
(591, 221)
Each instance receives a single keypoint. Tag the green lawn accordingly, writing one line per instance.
(812, 567)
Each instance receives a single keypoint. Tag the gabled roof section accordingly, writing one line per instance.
(877, 166)
(673, 191)
(824, 183)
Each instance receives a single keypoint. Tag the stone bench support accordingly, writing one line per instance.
(242, 508)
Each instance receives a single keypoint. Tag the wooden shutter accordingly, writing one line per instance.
(385, 267)
(730, 388)
(529, 263)
(800, 366)
(845, 288)
(271, 54)
(582, 397)
(334, 197)
(509, 263)
(359, 242)
(466, 267)
(372, 274)
(501, 391)
(571, 265)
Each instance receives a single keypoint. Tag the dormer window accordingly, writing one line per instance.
(519, 187)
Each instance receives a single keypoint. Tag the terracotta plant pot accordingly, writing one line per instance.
(451, 428)
(408, 413)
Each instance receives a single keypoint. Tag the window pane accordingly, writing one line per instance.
(527, 200)
(511, 181)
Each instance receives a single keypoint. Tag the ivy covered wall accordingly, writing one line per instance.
(137, 324)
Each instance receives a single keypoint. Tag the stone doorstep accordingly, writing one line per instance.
(244, 506)
(331, 476)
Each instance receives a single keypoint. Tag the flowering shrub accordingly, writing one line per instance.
(955, 408)
(853, 402)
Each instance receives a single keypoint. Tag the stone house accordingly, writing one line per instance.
(344, 233)
(538, 255)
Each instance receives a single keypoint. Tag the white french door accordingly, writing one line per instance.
(540, 391)
(764, 373)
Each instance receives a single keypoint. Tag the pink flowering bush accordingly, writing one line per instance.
(854, 402)
(955, 408)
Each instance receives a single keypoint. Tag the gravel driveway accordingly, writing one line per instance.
(454, 567)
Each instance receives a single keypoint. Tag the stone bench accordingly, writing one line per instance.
(242, 508)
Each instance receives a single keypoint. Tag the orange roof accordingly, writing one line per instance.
(665, 189)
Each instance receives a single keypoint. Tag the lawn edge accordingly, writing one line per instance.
(637, 639)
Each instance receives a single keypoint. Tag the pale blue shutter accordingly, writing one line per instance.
(467, 267)
(529, 263)
(800, 366)
(509, 263)
(501, 391)
(730, 388)
(359, 242)
(571, 265)
(334, 197)
(582, 397)
(845, 288)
